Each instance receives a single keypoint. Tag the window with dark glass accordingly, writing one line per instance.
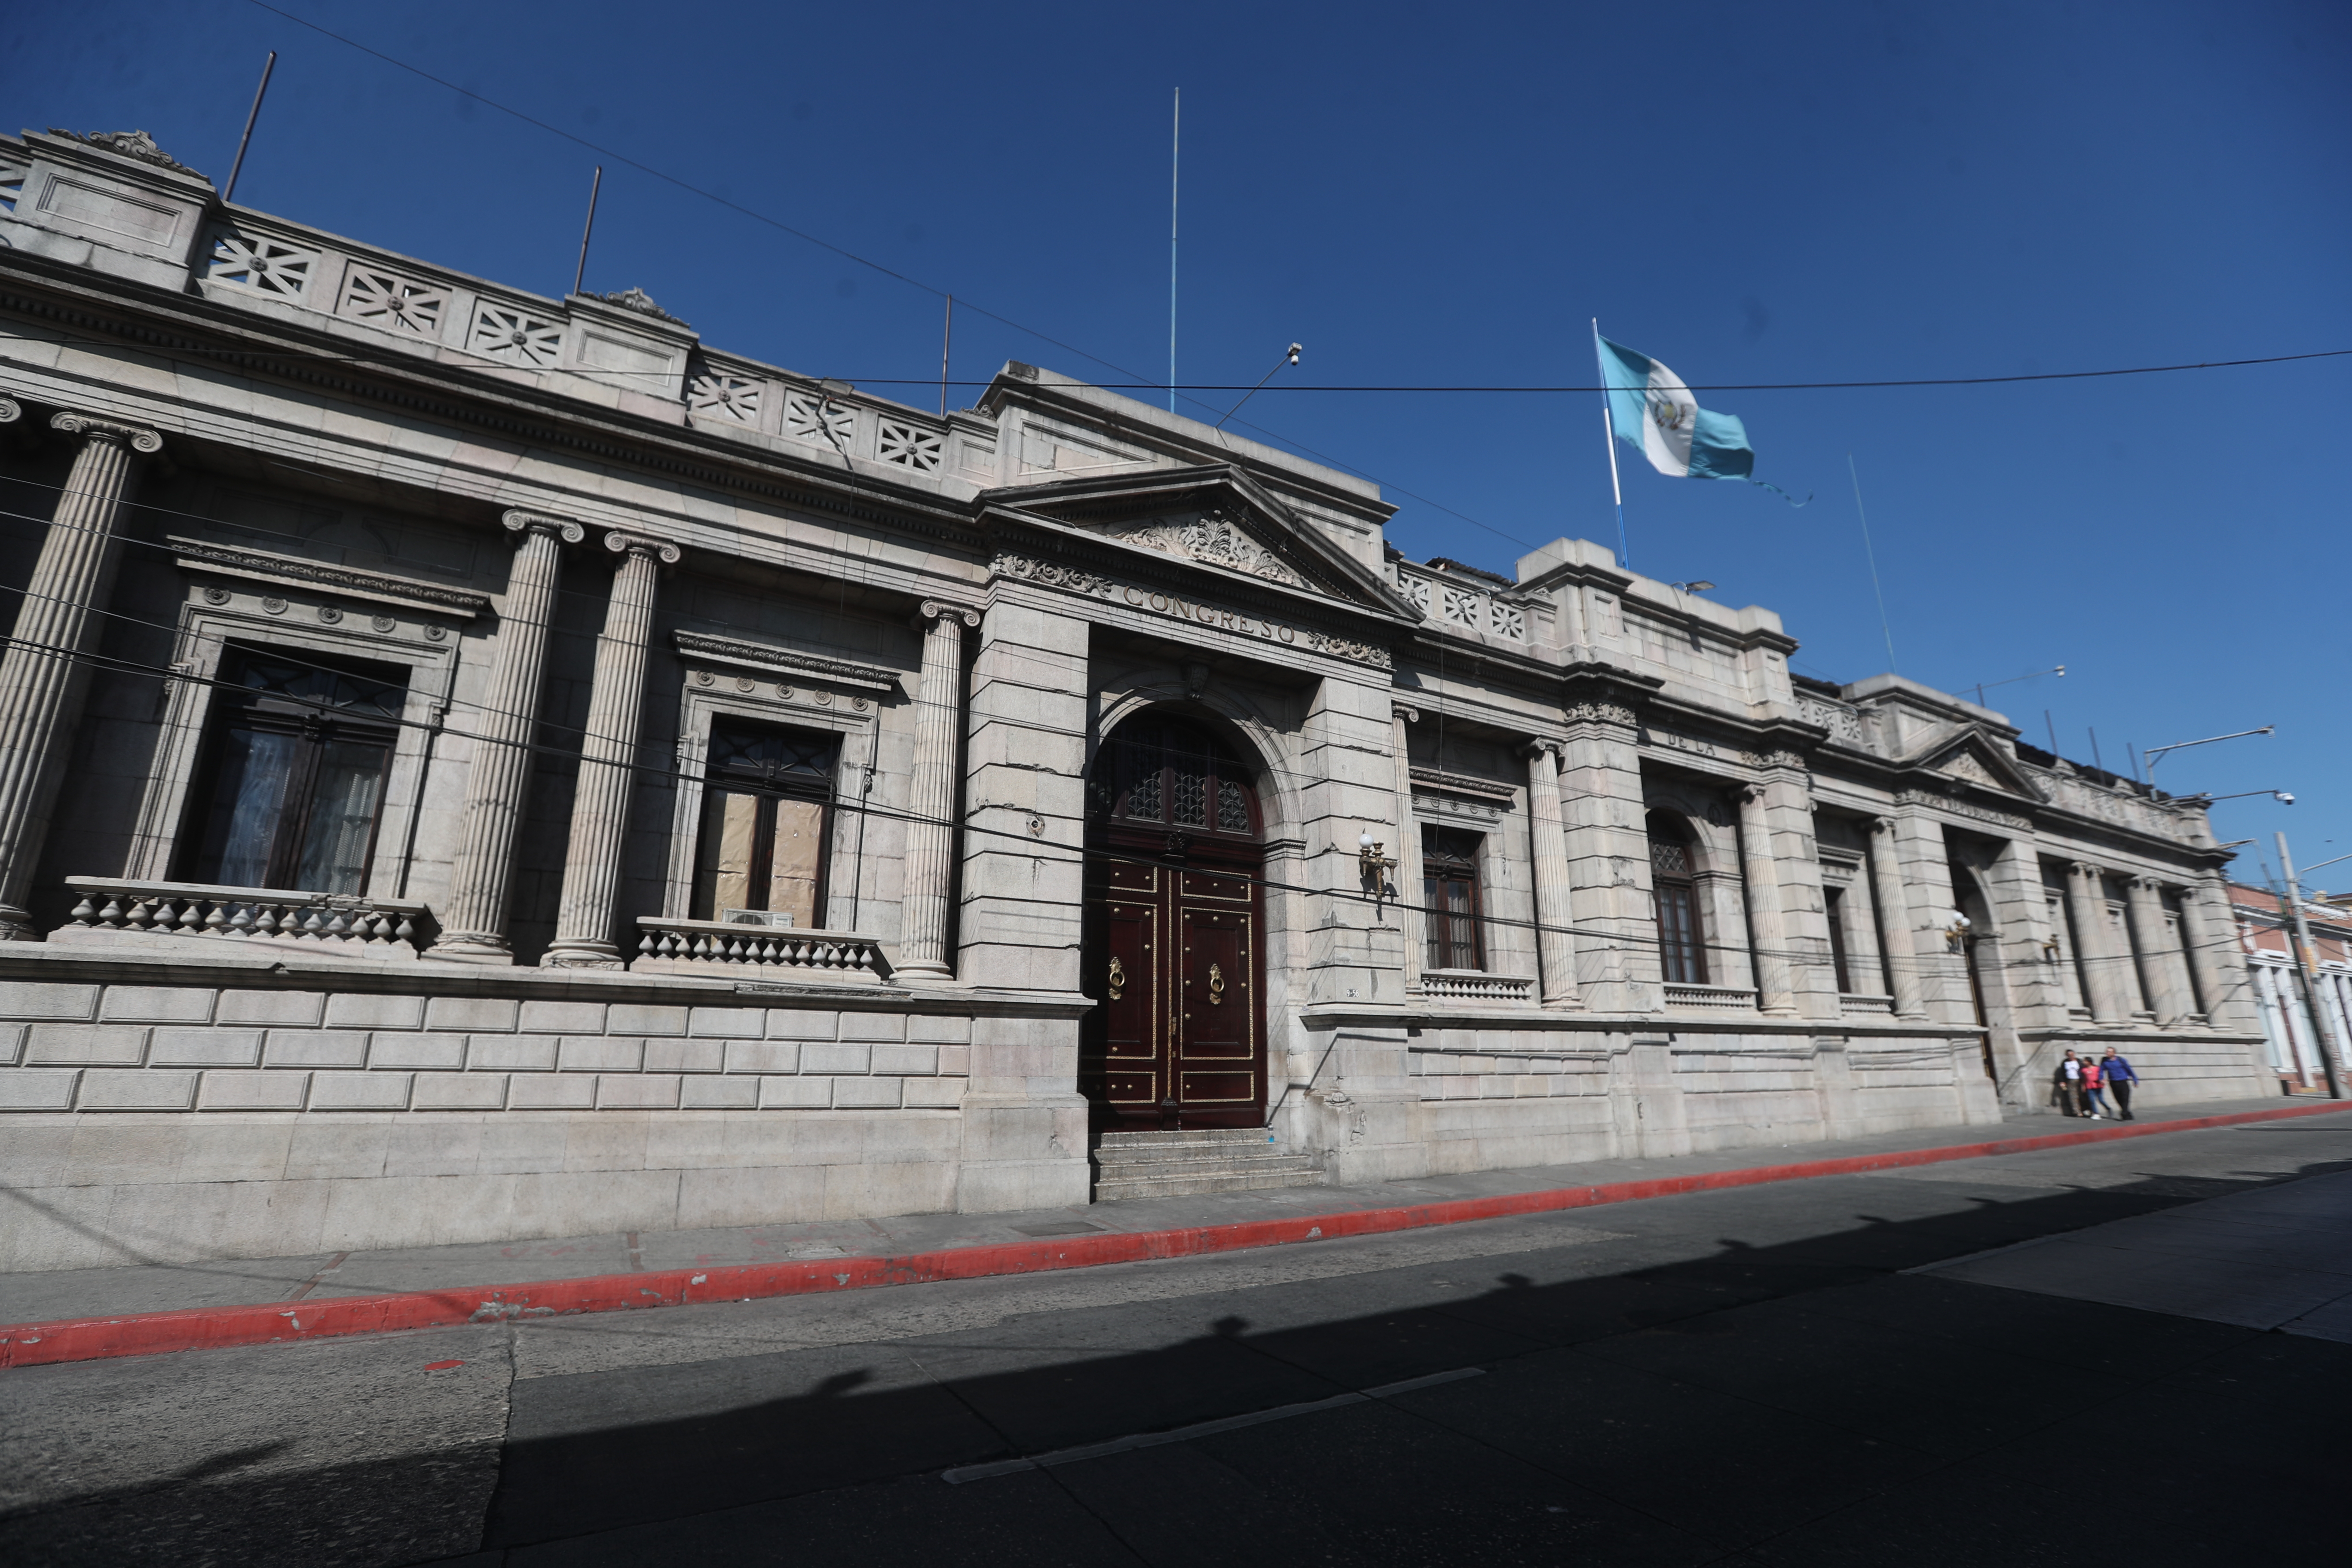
(1682, 947)
(1834, 897)
(767, 817)
(1158, 772)
(291, 790)
(1449, 895)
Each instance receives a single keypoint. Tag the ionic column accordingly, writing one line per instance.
(1410, 914)
(474, 920)
(1554, 912)
(1894, 918)
(600, 806)
(1774, 992)
(2217, 965)
(931, 830)
(42, 677)
(2086, 899)
(2146, 905)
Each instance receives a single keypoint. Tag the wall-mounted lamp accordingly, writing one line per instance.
(1696, 585)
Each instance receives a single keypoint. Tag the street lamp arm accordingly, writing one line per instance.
(2153, 753)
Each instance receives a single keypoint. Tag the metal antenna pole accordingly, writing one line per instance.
(1870, 554)
(2302, 940)
(595, 185)
(947, 340)
(1175, 148)
(251, 115)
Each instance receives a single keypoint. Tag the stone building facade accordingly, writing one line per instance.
(480, 765)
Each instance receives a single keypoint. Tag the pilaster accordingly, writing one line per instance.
(930, 808)
(1617, 967)
(1775, 990)
(2086, 901)
(1410, 919)
(2144, 900)
(1892, 903)
(43, 673)
(1555, 913)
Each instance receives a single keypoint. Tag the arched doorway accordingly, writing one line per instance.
(1174, 951)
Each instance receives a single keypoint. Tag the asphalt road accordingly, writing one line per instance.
(1744, 1377)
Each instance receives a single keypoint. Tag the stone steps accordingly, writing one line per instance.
(1224, 1160)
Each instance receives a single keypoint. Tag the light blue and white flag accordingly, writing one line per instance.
(1651, 409)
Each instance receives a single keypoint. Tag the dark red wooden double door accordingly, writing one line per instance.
(1174, 963)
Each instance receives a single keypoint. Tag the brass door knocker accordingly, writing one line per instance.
(1118, 979)
(1216, 986)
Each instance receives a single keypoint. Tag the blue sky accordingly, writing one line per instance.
(1448, 195)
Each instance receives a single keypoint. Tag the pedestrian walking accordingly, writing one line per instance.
(2093, 1097)
(2119, 1077)
(2068, 1081)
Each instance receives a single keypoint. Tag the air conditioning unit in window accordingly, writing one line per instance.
(756, 917)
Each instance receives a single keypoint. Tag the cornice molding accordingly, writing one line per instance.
(773, 660)
(382, 587)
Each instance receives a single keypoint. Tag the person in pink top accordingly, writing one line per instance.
(2094, 1099)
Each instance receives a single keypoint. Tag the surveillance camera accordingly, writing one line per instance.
(1293, 354)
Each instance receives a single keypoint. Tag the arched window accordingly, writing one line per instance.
(1164, 773)
(1682, 939)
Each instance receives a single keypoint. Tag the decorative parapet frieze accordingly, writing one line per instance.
(380, 588)
(1976, 811)
(1464, 605)
(1135, 596)
(1846, 723)
(259, 264)
(128, 144)
(783, 661)
(1600, 713)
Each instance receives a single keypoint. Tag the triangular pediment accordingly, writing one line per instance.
(1218, 518)
(1965, 755)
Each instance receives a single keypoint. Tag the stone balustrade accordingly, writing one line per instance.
(1472, 986)
(119, 912)
(669, 946)
(1849, 1001)
(1710, 998)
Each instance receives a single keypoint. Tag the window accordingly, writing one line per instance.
(1449, 895)
(1834, 897)
(292, 783)
(1682, 949)
(1158, 773)
(767, 810)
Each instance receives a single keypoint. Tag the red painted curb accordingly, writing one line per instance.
(213, 1328)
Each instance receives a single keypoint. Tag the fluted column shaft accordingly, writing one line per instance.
(1555, 945)
(2086, 898)
(930, 832)
(474, 920)
(2212, 940)
(600, 804)
(1894, 918)
(2155, 966)
(1774, 992)
(41, 677)
(1409, 914)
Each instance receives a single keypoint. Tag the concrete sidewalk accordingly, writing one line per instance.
(81, 1293)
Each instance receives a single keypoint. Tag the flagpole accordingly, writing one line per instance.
(1609, 435)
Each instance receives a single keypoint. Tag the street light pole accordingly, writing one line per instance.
(2302, 940)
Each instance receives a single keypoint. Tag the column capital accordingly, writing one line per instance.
(2086, 869)
(623, 543)
(522, 523)
(90, 427)
(944, 609)
(10, 409)
(1405, 711)
(1535, 746)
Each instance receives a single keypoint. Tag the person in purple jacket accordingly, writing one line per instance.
(2119, 1077)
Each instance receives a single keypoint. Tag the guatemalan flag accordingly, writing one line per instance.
(1651, 409)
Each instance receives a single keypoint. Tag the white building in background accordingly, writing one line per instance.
(475, 765)
(2264, 933)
